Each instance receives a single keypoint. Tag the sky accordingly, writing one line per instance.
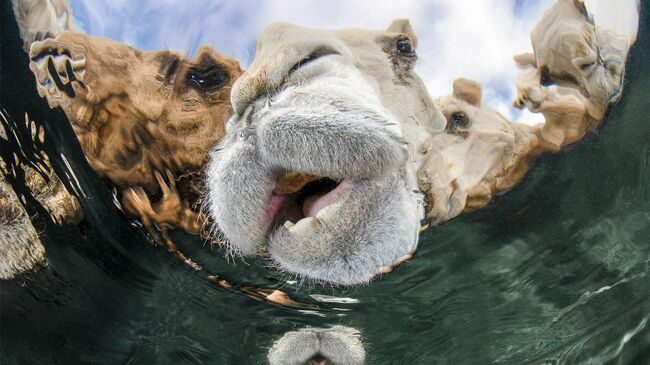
(474, 39)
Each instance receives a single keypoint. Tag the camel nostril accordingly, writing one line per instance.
(313, 56)
(587, 66)
(66, 88)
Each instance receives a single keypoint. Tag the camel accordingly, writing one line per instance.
(336, 151)
(21, 248)
(479, 154)
(144, 120)
(575, 74)
(342, 113)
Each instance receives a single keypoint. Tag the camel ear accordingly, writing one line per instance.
(468, 90)
(403, 26)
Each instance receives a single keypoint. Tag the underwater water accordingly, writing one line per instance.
(554, 271)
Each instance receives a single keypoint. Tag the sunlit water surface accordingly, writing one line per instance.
(555, 271)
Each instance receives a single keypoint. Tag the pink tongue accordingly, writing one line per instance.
(316, 203)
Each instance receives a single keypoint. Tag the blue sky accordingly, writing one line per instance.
(457, 38)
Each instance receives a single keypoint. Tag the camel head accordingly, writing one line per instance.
(318, 166)
(571, 49)
(479, 154)
(136, 113)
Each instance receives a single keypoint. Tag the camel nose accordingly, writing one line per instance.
(265, 74)
(275, 60)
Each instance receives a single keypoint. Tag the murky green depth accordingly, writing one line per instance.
(555, 271)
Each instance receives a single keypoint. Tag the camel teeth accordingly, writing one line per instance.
(288, 224)
(304, 226)
(328, 211)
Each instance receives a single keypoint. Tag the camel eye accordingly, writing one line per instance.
(405, 47)
(207, 79)
(458, 120)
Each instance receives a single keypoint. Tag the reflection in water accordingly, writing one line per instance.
(21, 248)
(553, 272)
(39, 178)
(337, 345)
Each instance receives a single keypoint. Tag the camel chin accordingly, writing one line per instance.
(318, 165)
(307, 346)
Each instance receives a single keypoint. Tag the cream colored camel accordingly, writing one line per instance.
(343, 112)
(479, 154)
(572, 78)
(575, 73)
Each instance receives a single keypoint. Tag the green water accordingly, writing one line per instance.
(555, 271)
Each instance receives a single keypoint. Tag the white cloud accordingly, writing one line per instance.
(621, 16)
(476, 40)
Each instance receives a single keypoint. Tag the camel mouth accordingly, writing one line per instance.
(299, 198)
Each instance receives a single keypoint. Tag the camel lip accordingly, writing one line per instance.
(309, 201)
